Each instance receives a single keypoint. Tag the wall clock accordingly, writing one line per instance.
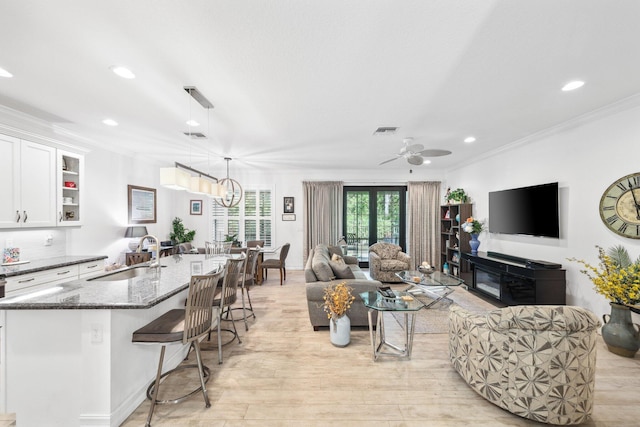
(620, 206)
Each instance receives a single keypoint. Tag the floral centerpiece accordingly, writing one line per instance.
(616, 276)
(473, 226)
(618, 279)
(337, 299)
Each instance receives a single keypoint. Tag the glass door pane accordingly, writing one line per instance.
(373, 214)
(357, 224)
(388, 217)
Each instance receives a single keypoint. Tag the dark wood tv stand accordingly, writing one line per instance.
(512, 281)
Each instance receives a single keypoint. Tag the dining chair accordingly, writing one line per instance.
(277, 263)
(186, 325)
(255, 243)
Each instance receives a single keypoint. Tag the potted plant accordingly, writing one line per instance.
(458, 195)
(180, 234)
(234, 239)
(618, 279)
(337, 300)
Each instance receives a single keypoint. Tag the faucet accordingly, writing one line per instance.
(154, 262)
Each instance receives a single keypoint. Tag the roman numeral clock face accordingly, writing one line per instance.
(620, 206)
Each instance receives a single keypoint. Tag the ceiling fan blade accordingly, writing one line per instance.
(434, 152)
(415, 148)
(415, 160)
(390, 160)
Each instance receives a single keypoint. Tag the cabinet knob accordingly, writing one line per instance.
(25, 216)
(60, 220)
(18, 216)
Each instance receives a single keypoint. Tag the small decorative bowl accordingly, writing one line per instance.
(425, 270)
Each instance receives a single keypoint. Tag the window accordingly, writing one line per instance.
(250, 220)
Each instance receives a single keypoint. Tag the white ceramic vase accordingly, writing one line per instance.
(340, 330)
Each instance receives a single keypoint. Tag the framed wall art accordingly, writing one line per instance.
(288, 205)
(196, 207)
(141, 204)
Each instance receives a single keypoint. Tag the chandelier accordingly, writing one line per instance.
(232, 190)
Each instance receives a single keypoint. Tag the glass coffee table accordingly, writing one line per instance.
(404, 303)
(436, 285)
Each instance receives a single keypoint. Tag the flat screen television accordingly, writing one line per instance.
(526, 210)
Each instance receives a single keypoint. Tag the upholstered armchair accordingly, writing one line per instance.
(385, 260)
(537, 362)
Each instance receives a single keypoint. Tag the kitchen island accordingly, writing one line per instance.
(68, 356)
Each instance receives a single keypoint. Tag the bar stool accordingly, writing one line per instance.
(187, 326)
(247, 281)
(228, 296)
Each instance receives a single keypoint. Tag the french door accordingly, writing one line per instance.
(373, 214)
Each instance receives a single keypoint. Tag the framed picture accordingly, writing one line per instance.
(196, 207)
(288, 205)
(142, 204)
(288, 217)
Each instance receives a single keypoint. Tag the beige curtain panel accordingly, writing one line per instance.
(322, 216)
(424, 222)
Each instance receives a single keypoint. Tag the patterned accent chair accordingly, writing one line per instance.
(387, 259)
(537, 362)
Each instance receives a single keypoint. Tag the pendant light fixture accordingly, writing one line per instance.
(232, 190)
(180, 176)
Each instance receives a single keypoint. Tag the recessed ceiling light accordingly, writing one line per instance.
(572, 85)
(426, 162)
(192, 123)
(123, 72)
(110, 122)
(469, 139)
(5, 73)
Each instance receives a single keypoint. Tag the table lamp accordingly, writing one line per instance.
(134, 233)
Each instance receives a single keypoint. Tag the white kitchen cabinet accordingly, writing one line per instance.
(90, 269)
(70, 188)
(18, 284)
(28, 176)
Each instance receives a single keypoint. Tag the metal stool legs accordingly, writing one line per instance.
(203, 373)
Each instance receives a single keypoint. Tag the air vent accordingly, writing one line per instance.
(198, 96)
(386, 130)
(196, 135)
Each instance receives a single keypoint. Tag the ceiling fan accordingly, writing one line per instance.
(415, 153)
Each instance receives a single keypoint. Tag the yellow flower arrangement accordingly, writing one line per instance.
(337, 299)
(615, 277)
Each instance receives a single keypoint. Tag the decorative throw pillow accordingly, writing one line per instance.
(334, 250)
(341, 270)
(337, 258)
(320, 266)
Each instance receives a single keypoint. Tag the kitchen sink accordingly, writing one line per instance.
(127, 274)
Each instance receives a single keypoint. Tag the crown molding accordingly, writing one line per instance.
(20, 125)
(617, 107)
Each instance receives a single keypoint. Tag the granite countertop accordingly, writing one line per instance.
(143, 291)
(46, 264)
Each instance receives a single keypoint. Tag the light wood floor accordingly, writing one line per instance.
(285, 374)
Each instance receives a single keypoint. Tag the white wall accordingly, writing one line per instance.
(289, 183)
(584, 157)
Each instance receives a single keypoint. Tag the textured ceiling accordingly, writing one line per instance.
(304, 84)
